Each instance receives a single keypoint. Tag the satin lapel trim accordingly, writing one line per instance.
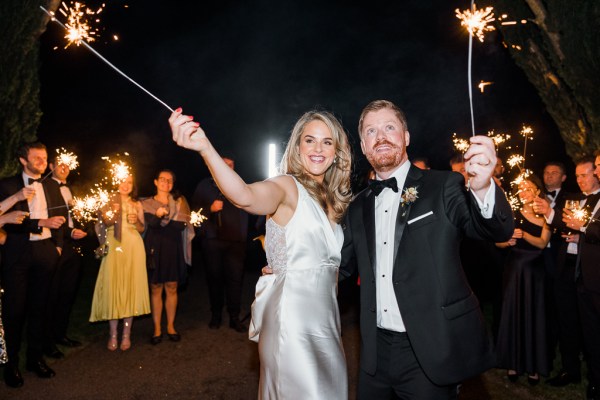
(412, 180)
(369, 224)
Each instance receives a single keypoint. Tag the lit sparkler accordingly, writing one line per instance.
(66, 158)
(80, 39)
(196, 218)
(477, 21)
(85, 209)
(526, 131)
(515, 160)
(580, 214)
(78, 24)
(461, 145)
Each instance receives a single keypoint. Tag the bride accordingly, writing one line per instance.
(295, 316)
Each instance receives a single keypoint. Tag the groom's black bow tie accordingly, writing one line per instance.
(31, 180)
(377, 186)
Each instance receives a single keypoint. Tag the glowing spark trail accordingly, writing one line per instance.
(476, 23)
(515, 160)
(78, 27)
(461, 145)
(196, 218)
(483, 84)
(90, 48)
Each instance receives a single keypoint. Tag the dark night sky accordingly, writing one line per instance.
(248, 69)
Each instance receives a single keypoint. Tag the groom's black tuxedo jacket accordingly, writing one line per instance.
(441, 314)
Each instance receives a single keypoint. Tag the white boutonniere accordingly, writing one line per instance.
(409, 196)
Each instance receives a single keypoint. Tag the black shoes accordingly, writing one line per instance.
(65, 341)
(174, 337)
(563, 379)
(53, 352)
(12, 376)
(40, 369)
(156, 340)
(215, 322)
(236, 325)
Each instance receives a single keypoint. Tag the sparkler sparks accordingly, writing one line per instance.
(499, 138)
(461, 145)
(515, 161)
(477, 21)
(483, 84)
(78, 23)
(580, 214)
(85, 209)
(196, 218)
(66, 158)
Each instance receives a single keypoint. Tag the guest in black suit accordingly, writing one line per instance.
(421, 327)
(587, 275)
(68, 271)
(29, 259)
(554, 176)
(570, 333)
(223, 242)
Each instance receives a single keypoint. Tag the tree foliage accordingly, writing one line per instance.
(21, 24)
(559, 51)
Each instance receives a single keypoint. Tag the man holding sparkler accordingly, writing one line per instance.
(568, 220)
(588, 291)
(29, 256)
(66, 279)
(421, 327)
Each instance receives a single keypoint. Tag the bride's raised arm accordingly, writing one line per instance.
(261, 198)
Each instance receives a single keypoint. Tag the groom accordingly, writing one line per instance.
(422, 331)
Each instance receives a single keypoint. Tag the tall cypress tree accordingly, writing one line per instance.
(21, 24)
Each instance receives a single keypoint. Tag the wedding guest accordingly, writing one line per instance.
(421, 162)
(570, 334)
(121, 290)
(29, 259)
(521, 345)
(223, 238)
(295, 316)
(167, 240)
(457, 164)
(68, 270)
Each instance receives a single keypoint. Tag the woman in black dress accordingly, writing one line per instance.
(521, 344)
(168, 250)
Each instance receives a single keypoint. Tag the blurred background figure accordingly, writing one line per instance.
(223, 239)
(168, 250)
(457, 164)
(421, 162)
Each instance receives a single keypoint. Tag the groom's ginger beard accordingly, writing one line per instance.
(387, 161)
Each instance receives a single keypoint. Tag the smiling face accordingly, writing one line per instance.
(164, 182)
(528, 191)
(586, 179)
(126, 186)
(383, 141)
(36, 162)
(317, 149)
(60, 171)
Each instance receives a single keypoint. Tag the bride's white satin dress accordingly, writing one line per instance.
(295, 316)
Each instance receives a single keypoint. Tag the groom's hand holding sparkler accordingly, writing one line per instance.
(480, 161)
(187, 133)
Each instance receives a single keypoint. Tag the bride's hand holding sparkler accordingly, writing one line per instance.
(480, 161)
(187, 133)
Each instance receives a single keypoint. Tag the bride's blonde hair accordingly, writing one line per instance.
(335, 190)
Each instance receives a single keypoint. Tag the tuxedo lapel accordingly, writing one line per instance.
(369, 224)
(412, 180)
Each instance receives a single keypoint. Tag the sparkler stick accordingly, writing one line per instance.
(476, 22)
(90, 48)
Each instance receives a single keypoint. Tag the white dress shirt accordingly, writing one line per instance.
(386, 212)
(38, 208)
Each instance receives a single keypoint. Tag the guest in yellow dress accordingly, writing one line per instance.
(122, 286)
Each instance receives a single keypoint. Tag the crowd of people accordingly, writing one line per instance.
(429, 247)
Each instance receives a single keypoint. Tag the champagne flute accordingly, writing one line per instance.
(572, 205)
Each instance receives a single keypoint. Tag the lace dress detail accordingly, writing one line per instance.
(275, 246)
